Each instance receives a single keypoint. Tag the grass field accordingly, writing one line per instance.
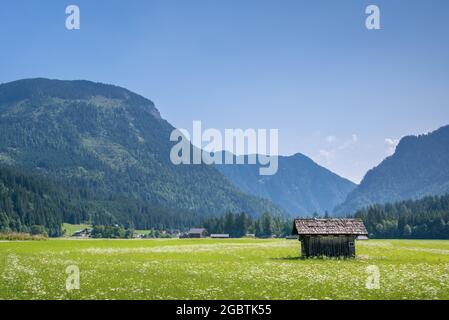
(220, 269)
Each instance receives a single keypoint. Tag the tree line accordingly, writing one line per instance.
(427, 218)
(112, 232)
(32, 202)
(241, 224)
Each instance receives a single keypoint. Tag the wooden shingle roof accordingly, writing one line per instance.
(329, 227)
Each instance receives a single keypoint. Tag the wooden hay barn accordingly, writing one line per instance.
(328, 237)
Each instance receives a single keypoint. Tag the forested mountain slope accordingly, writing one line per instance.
(114, 145)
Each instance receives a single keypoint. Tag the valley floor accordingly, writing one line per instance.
(220, 269)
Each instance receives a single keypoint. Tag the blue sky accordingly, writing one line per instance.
(335, 90)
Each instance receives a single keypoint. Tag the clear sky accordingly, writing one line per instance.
(336, 91)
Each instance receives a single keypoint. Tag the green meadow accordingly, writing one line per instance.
(221, 269)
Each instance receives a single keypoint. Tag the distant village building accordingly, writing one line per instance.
(328, 237)
(138, 236)
(197, 233)
(85, 233)
(220, 236)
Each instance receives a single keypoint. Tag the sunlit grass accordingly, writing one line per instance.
(220, 269)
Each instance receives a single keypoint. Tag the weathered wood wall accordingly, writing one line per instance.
(330, 246)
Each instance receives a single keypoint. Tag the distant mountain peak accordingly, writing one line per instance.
(301, 186)
(419, 167)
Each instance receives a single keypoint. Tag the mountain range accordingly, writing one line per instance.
(105, 153)
(301, 187)
(112, 144)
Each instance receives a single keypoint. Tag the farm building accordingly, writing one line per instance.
(328, 237)
(85, 233)
(220, 236)
(197, 233)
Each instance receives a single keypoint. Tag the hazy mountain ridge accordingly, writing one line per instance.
(301, 186)
(419, 167)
